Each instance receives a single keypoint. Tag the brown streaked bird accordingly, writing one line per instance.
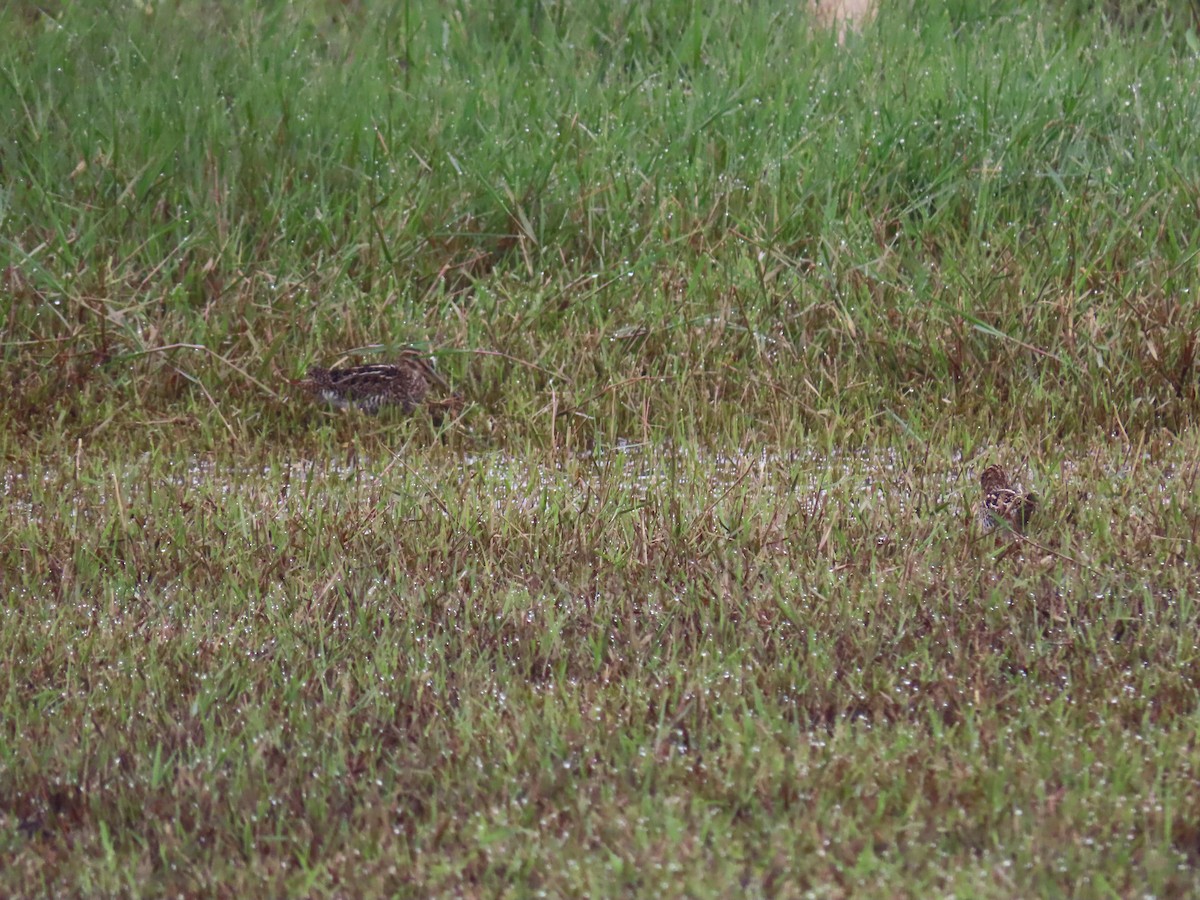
(404, 383)
(1004, 504)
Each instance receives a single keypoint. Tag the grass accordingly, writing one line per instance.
(690, 600)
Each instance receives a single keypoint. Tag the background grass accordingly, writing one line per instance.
(690, 600)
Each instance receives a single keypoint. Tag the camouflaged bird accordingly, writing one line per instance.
(404, 384)
(1004, 504)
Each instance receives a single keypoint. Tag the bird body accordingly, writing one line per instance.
(370, 388)
(1004, 504)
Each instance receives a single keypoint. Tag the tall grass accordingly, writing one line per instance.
(690, 600)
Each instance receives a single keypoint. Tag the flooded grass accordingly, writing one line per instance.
(691, 599)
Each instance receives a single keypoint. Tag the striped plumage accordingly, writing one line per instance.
(1004, 504)
(404, 384)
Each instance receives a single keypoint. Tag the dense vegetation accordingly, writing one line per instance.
(690, 600)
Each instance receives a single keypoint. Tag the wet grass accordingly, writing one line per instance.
(690, 600)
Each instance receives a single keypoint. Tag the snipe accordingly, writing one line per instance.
(404, 384)
(1004, 504)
